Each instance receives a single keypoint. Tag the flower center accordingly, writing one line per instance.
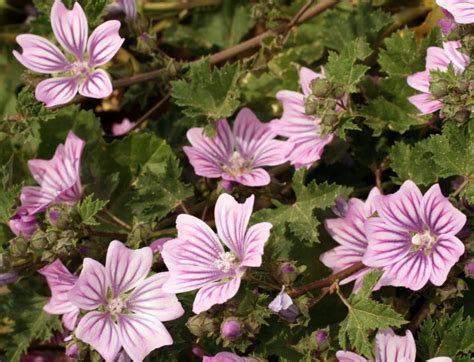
(423, 241)
(237, 165)
(81, 68)
(115, 306)
(227, 261)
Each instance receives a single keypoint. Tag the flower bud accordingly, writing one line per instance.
(5, 264)
(321, 336)
(157, 245)
(286, 273)
(53, 215)
(198, 351)
(231, 329)
(18, 247)
(72, 351)
(439, 87)
(470, 268)
(310, 107)
(338, 92)
(9, 277)
(340, 207)
(321, 88)
(284, 306)
(23, 224)
(39, 240)
(202, 325)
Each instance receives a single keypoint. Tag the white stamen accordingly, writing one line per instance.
(237, 165)
(227, 261)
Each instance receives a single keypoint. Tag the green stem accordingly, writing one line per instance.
(179, 5)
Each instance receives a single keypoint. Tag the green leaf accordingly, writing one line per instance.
(299, 216)
(342, 68)
(8, 197)
(88, 208)
(210, 93)
(366, 315)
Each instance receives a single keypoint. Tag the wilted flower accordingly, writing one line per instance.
(303, 130)
(348, 231)
(158, 244)
(60, 281)
(231, 329)
(59, 178)
(413, 237)
(436, 59)
(284, 306)
(196, 259)
(9, 277)
(123, 307)
(237, 155)
(128, 7)
(122, 128)
(23, 223)
(71, 31)
(461, 10)
(227, 357)
(390, 348)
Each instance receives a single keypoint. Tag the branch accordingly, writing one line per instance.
(326, 282)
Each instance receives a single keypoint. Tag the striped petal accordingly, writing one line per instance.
(129, 7)
(98, 330)
(272, 153)
(70, 28)
(254, 178)
(420, 81)
(402, 210)
(56, 91)
(255, 239)
(232, 219)
(458, 59)
(149, 298)
(439, 214)
(203, 163)
(215, 293)
(34, 199)
(343, 356)
(141, 333)
(293, 120)
(462, 10)
(393, 348)
(90, 290)
(437, 59)
(446, 252)
(104, 43)
(125, 267)
(97, 85)
(40, 55)
(425, 103)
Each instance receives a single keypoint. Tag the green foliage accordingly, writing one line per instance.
(365, 315)
(209, 93)
(88, 208)
(452, 335)
(299, 216)
(24, 307)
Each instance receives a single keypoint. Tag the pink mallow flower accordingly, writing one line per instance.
(227, 357)
(23, 223)
(390, 348)
(59, 178)
(413, 237)
(122, 128)
(303, 130)
(348, 231)
(436, 59)
(60, 281)
(237, 155)
(461, 10)
(79, 74)
(123, 307)
(196, 259)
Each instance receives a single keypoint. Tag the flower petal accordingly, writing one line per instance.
(125, 267)
(90, 290)
(439, 214)
(141, 333)
(420, 81)
(459, 60)
(203, 163)
(386, 244)
(40, 55)
(98, 330)
(104, 43)
(425, 103)
(215, 293)
(34, 199)
(70, 28)
(272, 153)
(462, 10)
(255, 239)
(56, 91)
(445, 253)
(393, 348)
(294, 120)
(129, 7)
(343, 356)
(97, 85)
(232, 219)
(440, 359)
(437, 59)
(149, 298)
(402, 209)
(254, 178)
(306, 77)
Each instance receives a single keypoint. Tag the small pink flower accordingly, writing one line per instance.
(461, 10)
(413, 237)
(283, 305)
(436, 59)
(196, 259)
(227, 357)
(390, 348)
(303, 131)
(71, 31)
(348, 231)
(124, 307)
(23, 223)
(60, 281)
(119, 129)
(59, 178)
(236, 155)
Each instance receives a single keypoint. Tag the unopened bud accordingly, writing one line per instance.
(198, 351)
(202, 325)
(5, 263)
(439, 87)
(286, 273)
(321, 336)
(338, 92)
(39, 240)
(310, 107)
(72, 351)
(461, 116)
(321, 88)
(470, 268)
(18, 247)
(231, 329)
